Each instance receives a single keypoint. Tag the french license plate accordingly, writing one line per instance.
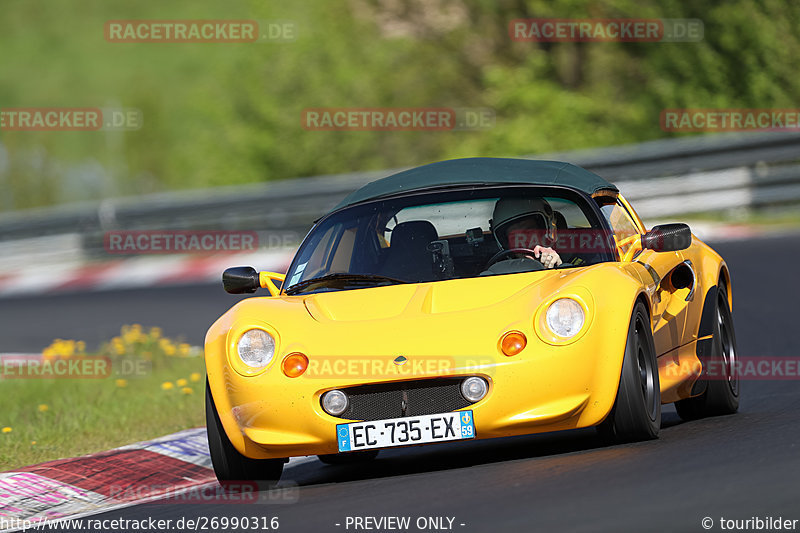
(405, 431)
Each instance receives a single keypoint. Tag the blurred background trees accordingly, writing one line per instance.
(224, 114)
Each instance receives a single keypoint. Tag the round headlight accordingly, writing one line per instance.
(334, 402)
(256, 348)
(565, 317)
(474, 388)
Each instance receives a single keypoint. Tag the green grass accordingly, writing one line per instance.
(91, 415)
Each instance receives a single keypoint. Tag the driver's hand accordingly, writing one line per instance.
(547, 256)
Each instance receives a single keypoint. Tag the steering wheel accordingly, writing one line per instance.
(526, 252)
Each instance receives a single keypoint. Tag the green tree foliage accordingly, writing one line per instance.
(223, 114)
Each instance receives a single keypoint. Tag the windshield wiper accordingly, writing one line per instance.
(340, 277)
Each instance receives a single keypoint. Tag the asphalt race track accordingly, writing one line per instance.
(737, 467)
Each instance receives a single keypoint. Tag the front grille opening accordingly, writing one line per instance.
(404, 398)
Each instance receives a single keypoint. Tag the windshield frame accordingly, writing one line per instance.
(584, 201)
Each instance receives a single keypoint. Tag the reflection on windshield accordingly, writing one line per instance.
(447, 235)
(341, 281)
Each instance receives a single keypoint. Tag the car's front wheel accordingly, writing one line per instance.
(636, 414)
(229, 465)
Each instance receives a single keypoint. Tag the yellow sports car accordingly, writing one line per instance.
(468, 299)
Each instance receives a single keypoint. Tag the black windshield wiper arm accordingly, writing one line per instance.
(344, 277)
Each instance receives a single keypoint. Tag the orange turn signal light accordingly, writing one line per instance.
(513, 342)
(295, 364)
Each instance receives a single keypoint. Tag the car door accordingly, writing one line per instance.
(668, 308)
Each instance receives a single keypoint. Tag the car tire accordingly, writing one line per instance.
(721, 396)
(349, 458)
(636, 414)
(229, 465)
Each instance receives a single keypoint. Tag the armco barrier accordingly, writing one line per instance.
(662, 178)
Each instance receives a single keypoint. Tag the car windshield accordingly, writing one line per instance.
(437, 236)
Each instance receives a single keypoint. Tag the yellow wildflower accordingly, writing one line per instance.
(132, 334)
(194, 376)
(118, 345)
(181, 382)
(43, 407)
(68, 348)
(121, 383)
(167, 385)
(6, 429)
(63, 348)
(187, 390)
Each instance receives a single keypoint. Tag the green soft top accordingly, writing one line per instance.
(482, 170)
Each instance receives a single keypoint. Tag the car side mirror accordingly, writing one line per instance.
(667, 238)
(247, 280)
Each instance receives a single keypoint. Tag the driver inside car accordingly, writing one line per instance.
(524, 223)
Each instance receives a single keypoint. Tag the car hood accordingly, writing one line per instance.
(411, 300)
(481, 300)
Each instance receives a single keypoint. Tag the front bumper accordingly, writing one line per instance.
(542, 389)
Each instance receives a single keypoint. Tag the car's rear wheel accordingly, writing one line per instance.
(348, 458)
(229, 465)
(721, 396)
(636, 414)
